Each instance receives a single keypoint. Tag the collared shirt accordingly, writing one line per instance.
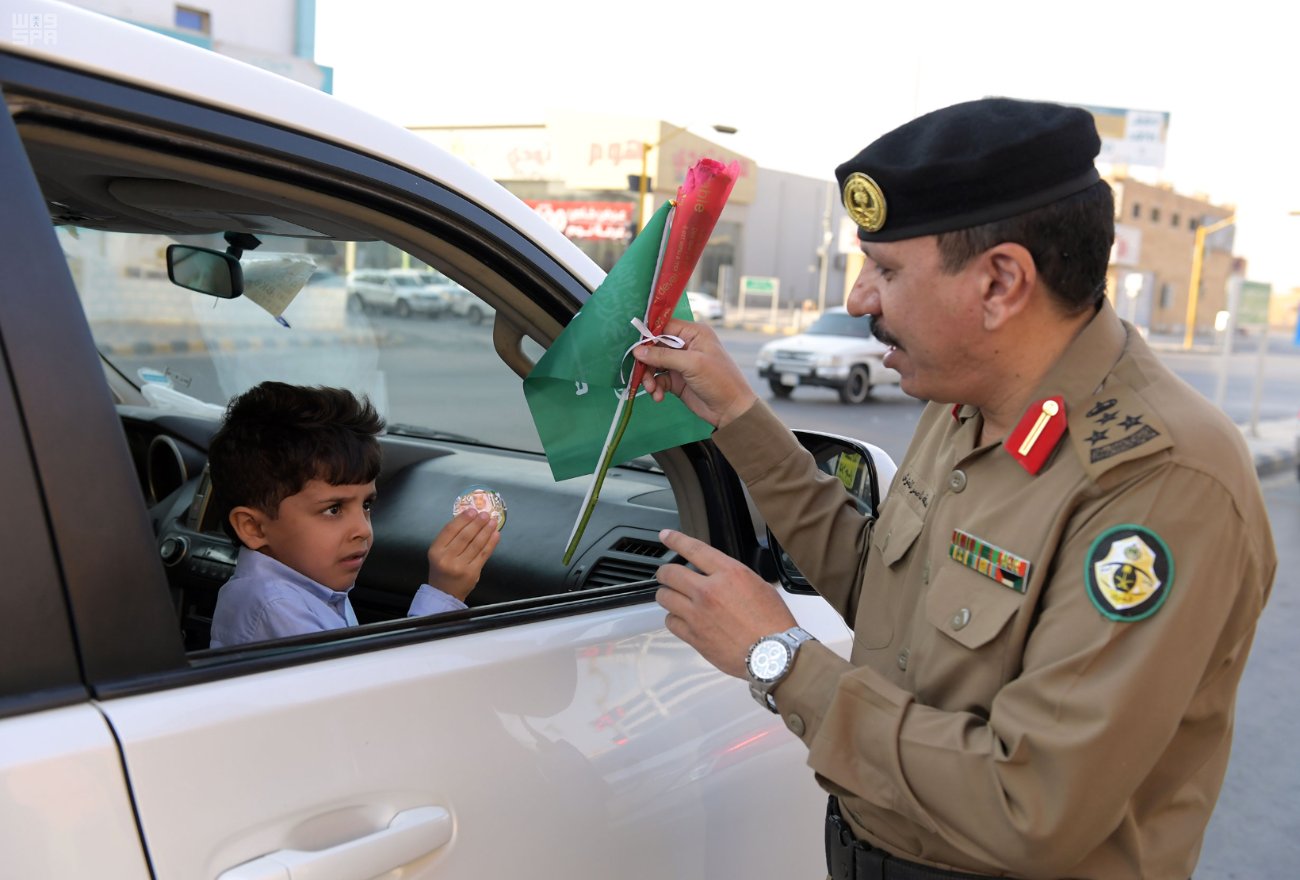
(266, 599)
(998, 714)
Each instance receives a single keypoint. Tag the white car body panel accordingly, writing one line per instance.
(66, 811)
(638, 746)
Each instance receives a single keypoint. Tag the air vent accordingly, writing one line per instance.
(607, 572)
(640, 547)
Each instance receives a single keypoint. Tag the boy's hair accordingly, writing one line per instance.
(275, 438)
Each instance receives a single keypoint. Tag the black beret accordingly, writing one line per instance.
(969, 164)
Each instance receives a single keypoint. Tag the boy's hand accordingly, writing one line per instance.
(457, 554)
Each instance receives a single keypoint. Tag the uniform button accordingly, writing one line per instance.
(960, 619)
(925, 572)
(902, 659)
(957, 481)
(796, 725)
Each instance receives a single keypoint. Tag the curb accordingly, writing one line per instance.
(140, 348)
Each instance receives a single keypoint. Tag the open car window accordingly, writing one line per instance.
(419, 310)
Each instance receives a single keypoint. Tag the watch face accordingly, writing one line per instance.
(768, 660)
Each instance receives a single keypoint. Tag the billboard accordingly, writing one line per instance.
(1131, 137)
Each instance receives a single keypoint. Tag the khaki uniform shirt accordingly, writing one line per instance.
(1016, 728)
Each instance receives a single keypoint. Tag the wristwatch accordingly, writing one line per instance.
(769, 660)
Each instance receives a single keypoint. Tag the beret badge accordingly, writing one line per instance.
(864, 201)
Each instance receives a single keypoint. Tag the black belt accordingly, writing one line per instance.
(850, 859)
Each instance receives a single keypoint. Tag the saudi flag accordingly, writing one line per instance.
(574, 390)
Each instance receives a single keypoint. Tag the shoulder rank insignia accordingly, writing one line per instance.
(1037, 433)
(1129, 571)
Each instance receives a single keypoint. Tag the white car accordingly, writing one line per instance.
(836, 351)
(405, 292)
(554, 730)
(704, 306)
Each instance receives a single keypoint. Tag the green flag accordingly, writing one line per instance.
(574, 389)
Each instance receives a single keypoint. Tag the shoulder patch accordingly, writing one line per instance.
(1116, 426)
(1128, 572)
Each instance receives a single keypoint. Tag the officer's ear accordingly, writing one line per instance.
(1009, 278)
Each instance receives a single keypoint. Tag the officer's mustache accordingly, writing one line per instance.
(881, 332)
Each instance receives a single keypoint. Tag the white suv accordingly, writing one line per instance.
(554, 729)
(836, 351)
(404, 292)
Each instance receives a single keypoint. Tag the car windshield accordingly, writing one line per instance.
(841, 324)
(190, 352)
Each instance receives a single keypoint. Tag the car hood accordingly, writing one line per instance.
(822, 344)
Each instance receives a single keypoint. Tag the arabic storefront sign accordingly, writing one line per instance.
(586, 220)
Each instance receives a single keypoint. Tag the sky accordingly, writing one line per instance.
(809, 83)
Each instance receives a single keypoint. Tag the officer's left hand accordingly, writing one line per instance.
(721, 609)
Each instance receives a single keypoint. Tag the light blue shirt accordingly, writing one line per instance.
(266, 599)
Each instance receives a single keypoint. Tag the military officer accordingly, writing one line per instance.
(1051, 614)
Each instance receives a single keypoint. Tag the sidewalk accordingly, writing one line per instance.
(1274, 448)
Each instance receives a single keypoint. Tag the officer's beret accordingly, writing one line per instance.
(968, 164)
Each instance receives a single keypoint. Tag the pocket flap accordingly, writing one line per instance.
(968, 607)
(896, 531)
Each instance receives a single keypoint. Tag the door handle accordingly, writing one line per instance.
(412, 833)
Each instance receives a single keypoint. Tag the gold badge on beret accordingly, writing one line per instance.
(864, 201)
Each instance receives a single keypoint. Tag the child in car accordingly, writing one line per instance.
(293, 471)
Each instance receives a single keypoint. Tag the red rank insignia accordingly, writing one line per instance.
(1037, 433)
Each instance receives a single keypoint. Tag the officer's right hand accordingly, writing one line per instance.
(702, 374)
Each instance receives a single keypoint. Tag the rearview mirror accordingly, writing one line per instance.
(866, 472)
(205, 271)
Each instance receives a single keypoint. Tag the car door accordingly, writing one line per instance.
(563, 736)
(60, 770)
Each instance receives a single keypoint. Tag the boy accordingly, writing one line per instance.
(294, 469)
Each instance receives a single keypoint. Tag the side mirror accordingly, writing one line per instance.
(205, 270)
(866, 472)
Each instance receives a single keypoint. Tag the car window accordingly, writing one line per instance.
(445, 371)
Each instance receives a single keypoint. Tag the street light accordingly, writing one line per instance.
(646, 147)
(1198, 257)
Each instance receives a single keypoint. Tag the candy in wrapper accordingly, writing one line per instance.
(483, 499)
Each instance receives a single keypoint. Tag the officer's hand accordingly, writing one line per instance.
(702, 374)
(458, 553)
(721, 609)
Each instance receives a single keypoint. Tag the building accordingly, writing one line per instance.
(276, 35)
(1150, 276)
(583, 173)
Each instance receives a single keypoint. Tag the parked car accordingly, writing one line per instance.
(462, 301)
(836, 351)
(703, 306)
(554, 729)
(405, 292)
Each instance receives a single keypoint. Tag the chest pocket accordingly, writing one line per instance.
(896, 532)
(969, 608)
(966, 657)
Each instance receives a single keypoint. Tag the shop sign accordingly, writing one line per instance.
(586, 220)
